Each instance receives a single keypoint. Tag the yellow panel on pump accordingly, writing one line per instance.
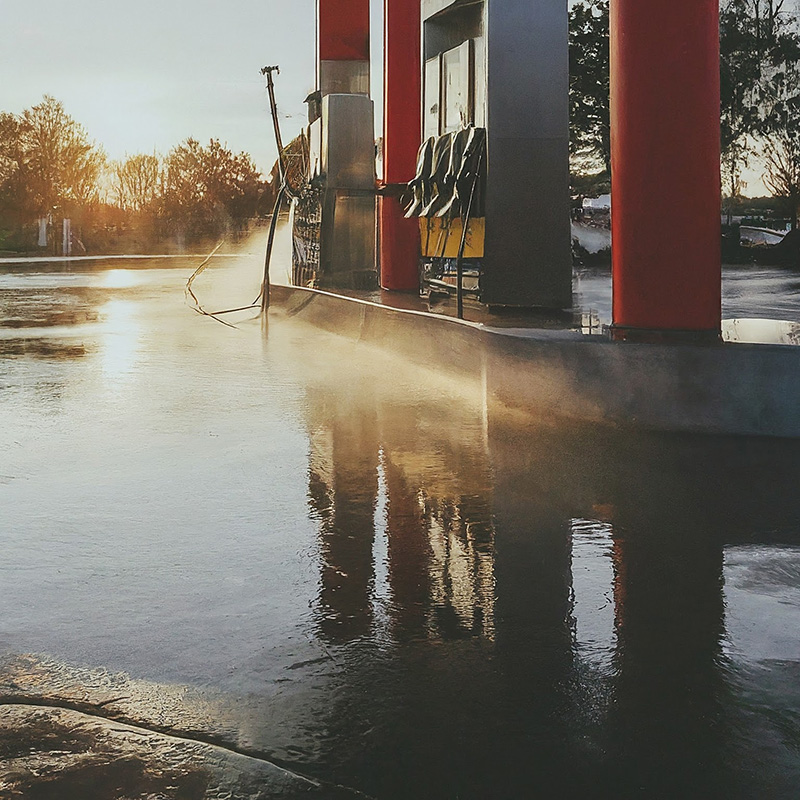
(441, 237)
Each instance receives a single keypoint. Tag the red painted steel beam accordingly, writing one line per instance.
(665, 164)
(343, 30)
(402, 132)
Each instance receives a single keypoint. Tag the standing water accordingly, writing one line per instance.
(300, 549)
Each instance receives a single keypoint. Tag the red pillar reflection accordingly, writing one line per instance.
(665, 164)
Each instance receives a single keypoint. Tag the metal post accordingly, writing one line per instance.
(665, 164)
(465, 218)
(273, 107)
(66, 238)
(265, 285)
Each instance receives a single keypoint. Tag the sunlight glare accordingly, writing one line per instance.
(121, 279)
(121, 340)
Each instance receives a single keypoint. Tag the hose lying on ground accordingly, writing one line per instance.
(197, 305)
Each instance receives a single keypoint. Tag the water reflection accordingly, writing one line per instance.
(121, 337)
(593, 592)
(28, 307)
(668, 717)
(343, 486)
(439, 601)
(121, 278)
(50, 349)
(555, 609)
(437, 518)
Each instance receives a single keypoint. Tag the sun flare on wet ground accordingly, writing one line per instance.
(317, 569)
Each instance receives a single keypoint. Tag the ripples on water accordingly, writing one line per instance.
(374, 577)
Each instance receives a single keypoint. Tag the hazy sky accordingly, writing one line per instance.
(147, 74)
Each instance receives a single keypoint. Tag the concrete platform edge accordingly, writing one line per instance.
(728, 389)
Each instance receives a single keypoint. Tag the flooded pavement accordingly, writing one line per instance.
(271, 562)
(748, 291)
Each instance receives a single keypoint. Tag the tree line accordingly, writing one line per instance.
(51, 168)
(760, 96)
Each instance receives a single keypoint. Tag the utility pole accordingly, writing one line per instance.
(273, 106)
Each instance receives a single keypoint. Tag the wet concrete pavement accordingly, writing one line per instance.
(272, 562)
(50, 752)
(748, 291)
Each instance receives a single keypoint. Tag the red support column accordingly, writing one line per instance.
(402, 132)
(343, 30)
(665, 164)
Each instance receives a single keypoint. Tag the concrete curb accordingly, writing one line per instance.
(717, 388)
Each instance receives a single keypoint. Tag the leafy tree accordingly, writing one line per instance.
(590, 138)
(760, 88)
(9, 146)
(13, 197)
(59, 166)
(759, 55)
(208, 191)
(136, 181)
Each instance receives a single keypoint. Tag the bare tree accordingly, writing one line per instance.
(782, 168)
(135, 181)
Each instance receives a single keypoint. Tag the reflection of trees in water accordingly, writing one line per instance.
(461, 567)
(49, 349)
(441, 563)
(25, 314)
(343, 487)
(440, 534)
(48, 307)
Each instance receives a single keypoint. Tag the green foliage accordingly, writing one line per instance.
(14, 200)
(60, 165)
(590, 184)
(759, 83)
(761, 96)
(207, 191)
(760, 92)
(590, 138)
(782, 168)
(49, 166)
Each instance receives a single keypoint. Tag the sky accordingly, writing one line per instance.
(145, 75)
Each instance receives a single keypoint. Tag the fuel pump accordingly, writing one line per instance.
(333, 219)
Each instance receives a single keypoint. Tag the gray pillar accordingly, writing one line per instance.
(528, 250)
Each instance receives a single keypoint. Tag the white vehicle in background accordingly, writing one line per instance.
(750, 236)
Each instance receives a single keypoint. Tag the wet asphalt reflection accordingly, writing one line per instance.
(342, 571)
